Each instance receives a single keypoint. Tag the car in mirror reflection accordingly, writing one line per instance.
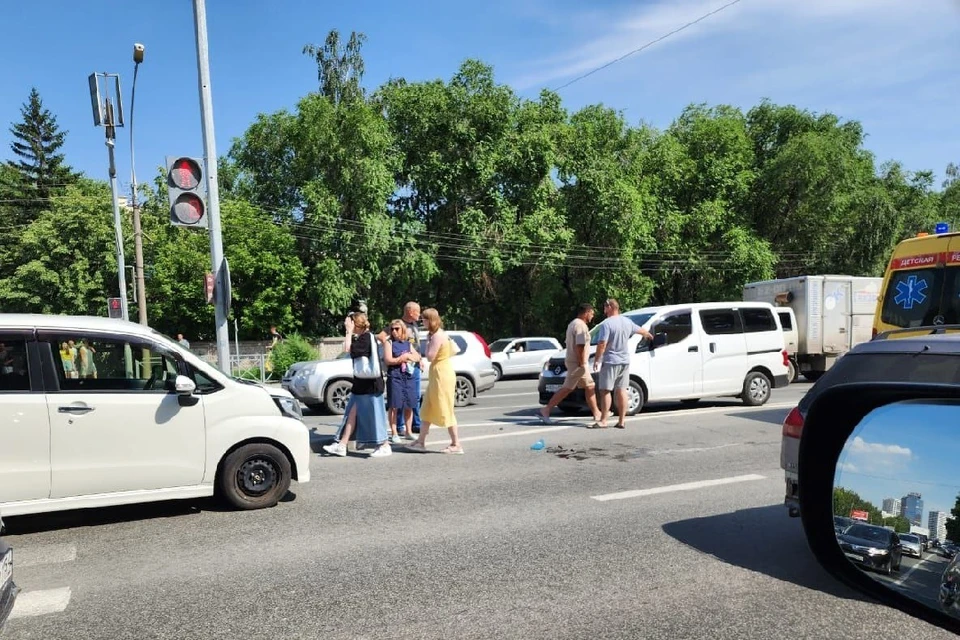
(872, 547)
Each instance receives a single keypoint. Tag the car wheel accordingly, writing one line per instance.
(337, 396)
(255, 476)
(635, 399)
(464, 391)
(888, 568)
(899, 562)
(792, 371)
(498, 371)
(756, 389)
(813, 376)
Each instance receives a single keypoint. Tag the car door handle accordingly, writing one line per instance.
(713, 347)
(693, 348)
(75, 409)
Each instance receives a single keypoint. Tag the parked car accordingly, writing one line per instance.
(325, 384)
(912, 545)
(931, 358)
(949, 595)
(142, 419)
(872, 547)
(699, 350)
(522, 356)
(8, 589)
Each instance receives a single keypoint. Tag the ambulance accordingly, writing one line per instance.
(921, 286)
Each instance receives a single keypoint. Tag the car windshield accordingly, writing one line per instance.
(908, 538)
(499, 345)
(866, 532)
(639, 319)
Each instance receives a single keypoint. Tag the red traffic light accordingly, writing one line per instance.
(188, 208)
(185, 174)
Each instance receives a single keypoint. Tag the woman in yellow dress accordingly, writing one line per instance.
(438, 403)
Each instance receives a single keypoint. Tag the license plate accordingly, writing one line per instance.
(553, 388)
(854, 556)
(6, 569)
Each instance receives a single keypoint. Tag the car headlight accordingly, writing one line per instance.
(878, 552)
(290, 407)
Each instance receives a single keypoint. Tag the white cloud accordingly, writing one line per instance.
(873, 33)
(861, 446)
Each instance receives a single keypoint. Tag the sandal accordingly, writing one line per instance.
(416, 446)
(453, 451)
(596, 425)
(621, 426)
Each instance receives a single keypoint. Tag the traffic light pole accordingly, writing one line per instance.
(222, 302)
(118, 230)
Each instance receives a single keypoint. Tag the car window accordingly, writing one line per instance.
(757, 320)
(499, 345)
(95, 363)
(460, 342)
(912, 298)
(721, 322)
(639, 319)
(542, 345)
(785, 321)
(678, 327)
(14, 372)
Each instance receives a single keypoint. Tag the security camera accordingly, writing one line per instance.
(138, 53)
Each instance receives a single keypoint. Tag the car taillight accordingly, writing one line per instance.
(793, 425)
(873, 334)
(483, 343)
(786, 358)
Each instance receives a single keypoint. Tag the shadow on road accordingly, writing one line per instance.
(761, 539)
(770, 416)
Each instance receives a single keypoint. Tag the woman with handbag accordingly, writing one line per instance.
(366, 411)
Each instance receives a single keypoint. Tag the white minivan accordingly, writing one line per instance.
(97, 412)
(699, 350)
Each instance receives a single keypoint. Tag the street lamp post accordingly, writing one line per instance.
(110, 117)
(137, 229)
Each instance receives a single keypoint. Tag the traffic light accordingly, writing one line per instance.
(187, 192)
(114, 308)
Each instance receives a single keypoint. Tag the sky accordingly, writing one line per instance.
(886, 63)
(905, 448)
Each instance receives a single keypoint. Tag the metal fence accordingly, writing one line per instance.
(255, 366)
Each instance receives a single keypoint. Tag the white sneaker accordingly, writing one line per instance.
(335, 449)
(396, 440)
(382, 451)
(352, 446)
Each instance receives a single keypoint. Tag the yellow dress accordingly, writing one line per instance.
(438, 402)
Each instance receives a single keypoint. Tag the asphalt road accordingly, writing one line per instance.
(671, 528)
(918, 579)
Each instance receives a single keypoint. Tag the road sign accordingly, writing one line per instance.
(860, 515)
(208, 287)
(941, 227)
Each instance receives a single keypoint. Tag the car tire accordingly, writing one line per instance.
(255, 476)
(793, 372)
(636, 399)
(897, 568)
(498, 371)
(888, 568)
(812, 376)
(463, 392)
(337, 395)
(756, 389)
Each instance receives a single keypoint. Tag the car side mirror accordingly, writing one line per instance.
(184, 386)
(659, 340)
(884, 455)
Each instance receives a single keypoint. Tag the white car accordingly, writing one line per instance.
(522, 356)
(97, 412)
(326, 384)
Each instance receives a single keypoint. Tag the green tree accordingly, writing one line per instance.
(846, 501)
(65, 258)
(41, 169)
(899, 524)
(339, 69)
(266, 275)
(953, 524)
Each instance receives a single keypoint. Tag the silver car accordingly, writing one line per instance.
(325, 384)
(522, 356)
(911, 545)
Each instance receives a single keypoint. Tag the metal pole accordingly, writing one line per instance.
(221, 303)
(141, 285)
(118, 230)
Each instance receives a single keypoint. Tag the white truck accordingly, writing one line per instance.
(822, 317)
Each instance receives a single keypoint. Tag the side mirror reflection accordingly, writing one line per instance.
(896, 499)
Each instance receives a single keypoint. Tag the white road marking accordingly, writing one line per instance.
(688, 486)
(45, 554)
(904, 577)
(512, 406)
(30, 604)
